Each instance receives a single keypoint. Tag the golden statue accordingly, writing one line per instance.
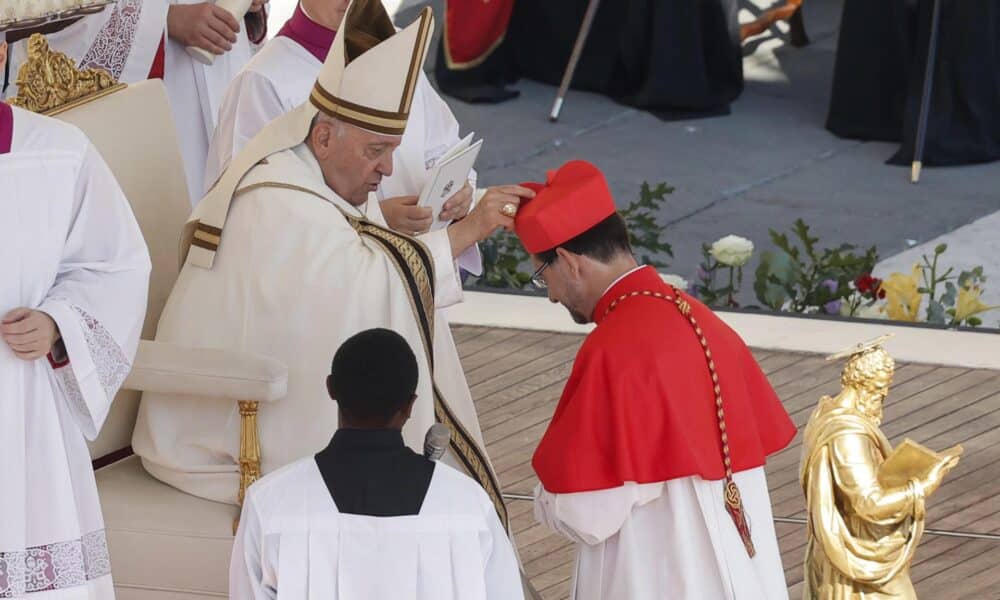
(865, 501)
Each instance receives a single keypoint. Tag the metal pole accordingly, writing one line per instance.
(925, 99)
(581, 40)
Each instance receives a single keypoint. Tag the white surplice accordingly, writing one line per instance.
(280, 77)
(122, 40)
(291, 280)
(71, 248)
(293, 544)
(671, 539)
(196, 91)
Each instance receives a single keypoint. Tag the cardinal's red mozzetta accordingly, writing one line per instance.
(645, 351)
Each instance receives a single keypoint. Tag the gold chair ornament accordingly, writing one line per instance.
(50, 83)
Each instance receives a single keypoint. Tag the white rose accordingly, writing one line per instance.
(732, 251)
(675, 280)
(875, 311)
(845, 306)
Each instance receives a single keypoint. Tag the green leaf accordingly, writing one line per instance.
(808, 242)
(772, 279)
(974, 321)
(644, 231)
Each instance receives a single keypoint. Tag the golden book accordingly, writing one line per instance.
(910, 460)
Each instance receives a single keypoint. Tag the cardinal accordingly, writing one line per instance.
(654, 460)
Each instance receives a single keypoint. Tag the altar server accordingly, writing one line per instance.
(367, 517)
(72, 300)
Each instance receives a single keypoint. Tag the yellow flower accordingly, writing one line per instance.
(969, 304)
(901, 295)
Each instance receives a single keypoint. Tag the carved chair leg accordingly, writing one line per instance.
(249, 452)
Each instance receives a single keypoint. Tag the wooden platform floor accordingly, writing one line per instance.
(516, 378)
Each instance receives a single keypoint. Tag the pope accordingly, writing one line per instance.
(654, 460)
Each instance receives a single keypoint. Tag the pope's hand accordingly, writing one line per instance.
(494, 210)
(203, 25)
(489, 214)
(30, 334)
(403, 215)
(257, 6)
(457, 207)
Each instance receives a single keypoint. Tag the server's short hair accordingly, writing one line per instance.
(602, 242)
(374, 375)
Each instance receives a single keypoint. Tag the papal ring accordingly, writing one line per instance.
(509, 210)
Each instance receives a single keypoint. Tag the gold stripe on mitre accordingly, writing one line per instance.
(365, 29)
(360, 116)
(417, 59)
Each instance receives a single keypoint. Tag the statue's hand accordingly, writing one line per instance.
(932, 482)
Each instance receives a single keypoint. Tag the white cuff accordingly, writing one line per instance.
(471, 261)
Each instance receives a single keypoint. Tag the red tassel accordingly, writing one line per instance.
(734, 504)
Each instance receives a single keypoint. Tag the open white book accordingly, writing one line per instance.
(448, 175)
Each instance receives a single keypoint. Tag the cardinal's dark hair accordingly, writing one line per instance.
(602, 242)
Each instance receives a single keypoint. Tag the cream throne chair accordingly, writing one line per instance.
(164, 544)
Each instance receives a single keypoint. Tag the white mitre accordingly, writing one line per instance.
(368, 80)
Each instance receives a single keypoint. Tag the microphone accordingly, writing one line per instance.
(436, 441)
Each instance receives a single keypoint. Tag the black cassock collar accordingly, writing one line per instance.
(372, 472)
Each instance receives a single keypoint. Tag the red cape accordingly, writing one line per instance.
(473, 29)
(639, 405)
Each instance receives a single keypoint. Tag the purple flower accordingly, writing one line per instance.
(701, 274)
(830, 284)
(832, 307)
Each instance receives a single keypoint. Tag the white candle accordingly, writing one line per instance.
(237, 8)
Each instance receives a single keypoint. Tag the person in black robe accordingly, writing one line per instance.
(879, 74)
(676, 59)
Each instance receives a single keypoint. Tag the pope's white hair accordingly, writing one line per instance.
(340, 128)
